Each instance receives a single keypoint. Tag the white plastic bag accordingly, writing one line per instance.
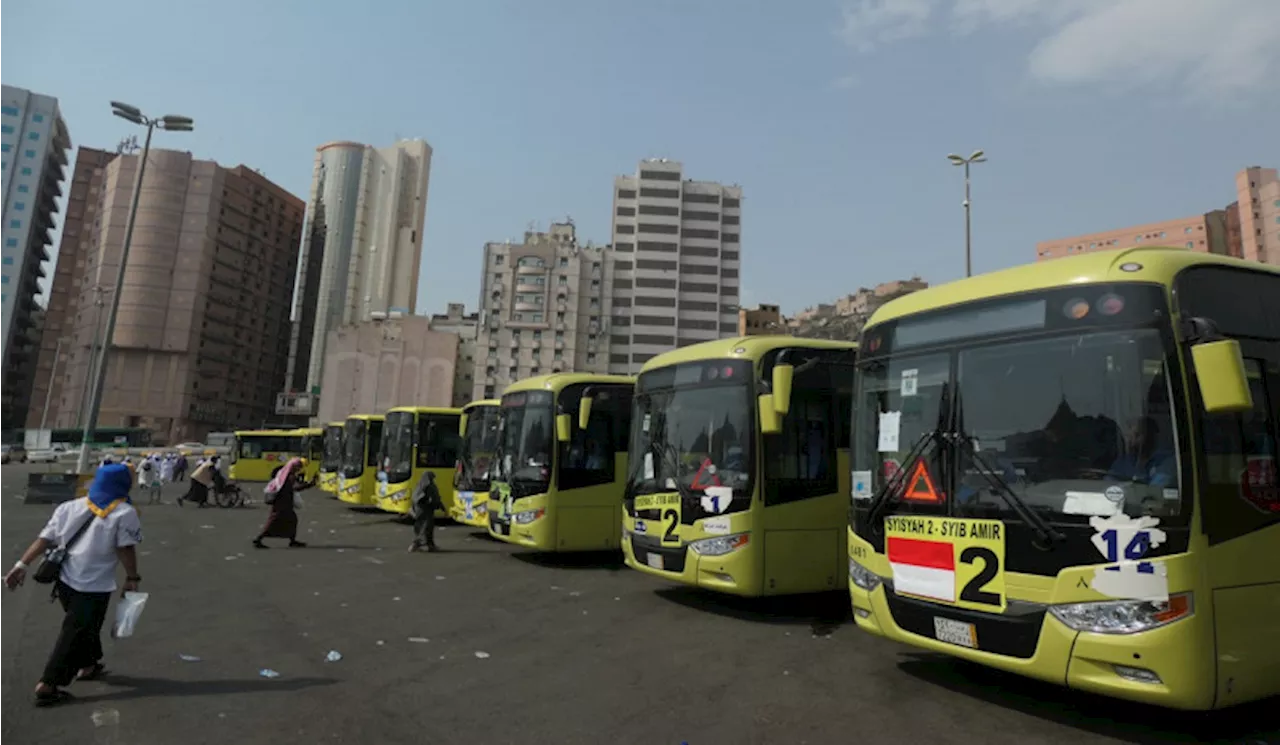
(128, 611)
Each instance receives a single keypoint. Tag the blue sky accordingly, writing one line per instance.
(835, 117)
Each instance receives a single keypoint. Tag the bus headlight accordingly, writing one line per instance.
(864, 578)
(528, 516)
(720, 545)
(1124, 616)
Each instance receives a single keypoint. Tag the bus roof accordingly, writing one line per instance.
(334, 424)
(308, 431)
(482, 403)
(367, 417)
(1158, 264)
(742, 347)
(556, 382)
(426, 409)
(265, 432)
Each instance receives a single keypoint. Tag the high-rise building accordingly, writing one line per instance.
(83, 203)
(201, 336)
(678, 244)
(35, 144)
(545, 307)
(456, 320)
(1248, 228)
(362, 249)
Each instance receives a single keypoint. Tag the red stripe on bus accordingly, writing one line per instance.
(933, 554)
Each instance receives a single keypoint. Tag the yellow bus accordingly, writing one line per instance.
(1067, 470)
(331, 458)
(557, 484)
(361, 441)
(739, 477)
(312, 451)
(417, 439)
(259, 452)
(479, 432)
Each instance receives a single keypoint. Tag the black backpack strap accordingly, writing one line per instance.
(79, 532)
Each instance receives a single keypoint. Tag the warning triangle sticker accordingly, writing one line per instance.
(708, 468)
(920, 486)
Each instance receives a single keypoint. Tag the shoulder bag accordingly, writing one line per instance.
(50, 567)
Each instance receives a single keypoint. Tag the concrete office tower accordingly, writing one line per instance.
(682, 286)
(83, 202)
(363, 244)
(35, 143)
(545, 305)
(456, 320)
(201, 339)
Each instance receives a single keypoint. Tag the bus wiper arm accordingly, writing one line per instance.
(1046, 533)
(893, 487)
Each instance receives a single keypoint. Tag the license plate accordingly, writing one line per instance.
(955, 632)
(655, 561)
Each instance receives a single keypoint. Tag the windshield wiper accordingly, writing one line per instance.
(893, 487)
(1044, 531)
(667, 455)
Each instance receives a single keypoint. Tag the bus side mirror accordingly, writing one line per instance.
(564, 427)
(1224, 387)
(770, 422)
(782, 375)
(462, 426)
(584, 412)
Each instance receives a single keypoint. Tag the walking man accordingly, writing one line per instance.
(426, 500)
(96, 532)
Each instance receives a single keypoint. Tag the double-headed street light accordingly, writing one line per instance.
(977, 157)
(173, 124)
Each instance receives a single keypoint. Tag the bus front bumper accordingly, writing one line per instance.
(1106, 664)
(394, 498)
(353, 493)
(328, 482)
(733, 573)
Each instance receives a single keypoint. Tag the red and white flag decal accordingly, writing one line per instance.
(923, 568)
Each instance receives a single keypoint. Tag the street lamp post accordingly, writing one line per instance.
(977, 157)
(48, 394)
(173, 124)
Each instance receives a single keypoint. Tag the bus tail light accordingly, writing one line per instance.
(1124, 616)
(862, 577)
(720, 545)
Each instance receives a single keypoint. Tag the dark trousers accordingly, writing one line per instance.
(424, 527)
(79, 642)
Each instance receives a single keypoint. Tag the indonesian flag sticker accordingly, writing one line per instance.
(923, 568)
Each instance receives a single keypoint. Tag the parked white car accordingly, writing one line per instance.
(47, 455)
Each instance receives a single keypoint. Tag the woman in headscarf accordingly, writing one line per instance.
(283, 520)
(108, 528)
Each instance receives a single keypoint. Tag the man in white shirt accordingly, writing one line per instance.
(112, 529)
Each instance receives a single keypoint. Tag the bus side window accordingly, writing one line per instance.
(800, 461)
(438, 441)
(588, 458)
(1240, 459)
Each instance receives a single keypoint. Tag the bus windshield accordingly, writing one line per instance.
(691, 438)
(1075, 425)
(527, 441)
(332, 458)
(353, 441)
(253, 447)
(397, 443)
(478, 447)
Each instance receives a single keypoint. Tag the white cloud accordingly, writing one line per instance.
(1214, 48)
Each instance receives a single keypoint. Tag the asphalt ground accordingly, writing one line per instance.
(482, 643)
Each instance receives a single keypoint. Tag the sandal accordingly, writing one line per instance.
(44, 699)
(95, 672)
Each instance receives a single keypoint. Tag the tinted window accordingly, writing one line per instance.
(588, 458)
(800, 461)
(437, 440)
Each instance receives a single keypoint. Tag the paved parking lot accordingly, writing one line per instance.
(483, 644)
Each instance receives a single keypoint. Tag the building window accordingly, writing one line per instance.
(20, 206)
(11, 242)
(25, 170)
(4, 148)
(7, 129)
(15, 224)
(9, 110)
(38, 118)
(626, 193)
(591, 358)
(731, 202)
(1191, 244)
(8, 261)
(33, 135)
(537, 318)
(23, 188)
(532, 261)
(30, 153)
(499, 260)
(4, 279)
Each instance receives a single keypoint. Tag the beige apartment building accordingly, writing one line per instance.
(363, 247)
(201, 338)
(762, 320)
(391, 360)
(845, 318)
(545, 307)
(1248, 228)
(679, 245)
(457, 321)
(83, 203)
